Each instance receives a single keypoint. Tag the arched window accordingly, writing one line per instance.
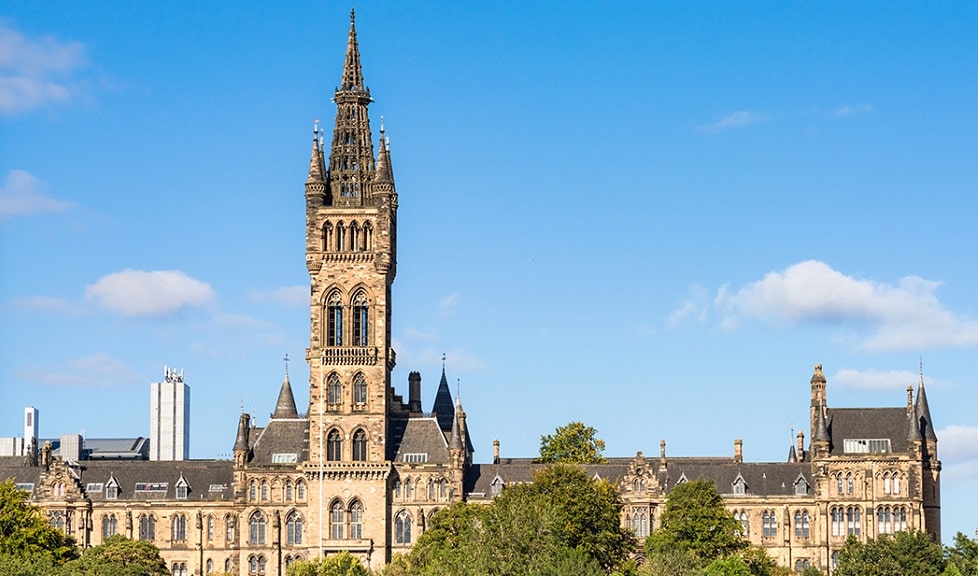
(57, 520)
(179, 528)
(744, 520)
(802, 528)
(838, 484)
(887, 486)
(397, 488)
(838, 521)
(179, 569)
(334, 390)
(210, 566)
(256, 533)
(356, 520)
(360, 446)
(327, 237)
(360, 322)
(431, 488)
(853, 524)
(210, 528)
(256, 565)
(334, 446)
(442, 489)
(368, 236)
(849, 483)
(334, 320)
(769, 524)
(147, 527)
(801, 565)
(253, 491)
(294, 528)
(300, 490)
(109, 525)
(896, 483)
(340, 237)
(287, 491)
(227, 564)
(835, 559)
(229, 529)
(354, 236)
(402, 528)
(408, 490)
(336, 521)
(359, 390)
(264, 490)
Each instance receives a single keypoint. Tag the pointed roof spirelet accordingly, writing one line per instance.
(792, 455)
(444, 407)
(455, 439)
(384, 172)
(241, 442)
(352, 72)
(285, 407)
(317, 172)
(913, 428)
(821, 428)
(923, 410)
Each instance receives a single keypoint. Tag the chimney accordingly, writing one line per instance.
(738, 450)
(662, 453)
(414, 392)
(801, 446)
(495, 451)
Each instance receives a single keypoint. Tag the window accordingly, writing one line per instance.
(896, 483)
(334, 390)
(838, 483)
(256, 535)
(229, 529)
(57, 520)
(336, 521)
(853, 525)
(210, 566)
(838, 522)
(402, 528)
(849, 483)
(356, 520)
(179, 569)
(264, 490)
(360, 323)
(866, 445)
(408, 490)
(334, 318)
(109, 525)
(835, 559)
(327, 236)
(741, 516)
(256, 565)
(887, 485)
(890, 520)
(443, 489)
(801, 565)
(334, 446)
(253, 491)
(360, 446)
(415, 457)
(769, 524)
(147, 527)
(294, 529)
(431, 489)
(739, 486)
(227, 565)
(287, 491)
(300, 490)
(183, 488)
(802, 528)
(359, 390)
(801, 487)
(210, 528)
(179, 528)
(340, 236)
(639, 524)
(397, 488)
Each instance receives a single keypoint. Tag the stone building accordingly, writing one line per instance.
(361, 469)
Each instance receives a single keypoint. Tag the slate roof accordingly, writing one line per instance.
(418, 435)
(12, 468)
(280, 437)
(855, 423)
(443, 406)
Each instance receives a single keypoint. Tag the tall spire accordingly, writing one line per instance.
(317, 171)
(443, 407)
(351, 157)
(923, 410)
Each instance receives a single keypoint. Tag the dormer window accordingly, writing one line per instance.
(801, 486)
(739, 486)
(112, 489)
(183, 488)
(496, 488)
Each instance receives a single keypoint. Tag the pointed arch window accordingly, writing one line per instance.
(397, 488)
(802, 525)
(408, 490)
(356, 520)
(443, 489)
(368, 237)
(334, 320)
(179, 528)
(360, 446)
(402, 528)
(853, 521)
(896, 483)
(769, 524)
(109, 525)
(838, 484)
(334, 390)
(228, 529)
(334, 446)
(838, 521)
(264, 490)
(210, 528)
(287, 491)
(294, 528)
(359, 390)
(360, 322)
(327, 237)
(849, 483)
(253, 490)
(354, 237)
(256, 533)
(336, 521)
(887, 485)
(300, 490)
(340, 235)
(147, 527)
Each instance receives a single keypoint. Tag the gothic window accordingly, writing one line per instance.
(443, 489)
(179, 528)
(340, 237)
(300, 490)
(227, 564)
(356, 520)
(360, 446)
(210, 528)
(802, 528)
(838, 484)
(327, 236)
(109, 525)
(334, 390)
(801, 565)
(769, 524)
(334, 320)
(58, 520)
(334, 446)
(899, 519)
(253, 491)
(264, 490)
(849, 483)
(287, 491)
(354, 237)
(229, 529)
(359, 390)
(256, 565)
(408, 490)
(147, 527)
(256, 533)
(294, 529)
(402, 528)
(397, 488)
(890, 520)
(838, 521)
(742, 517)
(431, 488)
(887, 486)
(179, 569)
(835, 559)
(360, 323)
(210, 566)
(368, 237)
(896, 483)
(853, 525)
(336, 521)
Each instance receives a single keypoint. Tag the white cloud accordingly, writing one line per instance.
(903, 316)
(874, 379)
(696, 304)
(22, 194)
(448, 305)
(739, 119)
(149, 293)
(852, 110)
(289, 296)
(99, 370)
(958, 449)
(36, 72)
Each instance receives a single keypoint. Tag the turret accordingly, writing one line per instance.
(285, 407)
(818, 396)
(414, 392)
(241, 446)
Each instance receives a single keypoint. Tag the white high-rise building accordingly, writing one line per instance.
(30, 429)
(169, 417)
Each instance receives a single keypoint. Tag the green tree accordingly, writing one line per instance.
(574, 443)
(25, 533)
(342, 564)
(963, 556)
(119, 556)
(911, 552)
(695, 520)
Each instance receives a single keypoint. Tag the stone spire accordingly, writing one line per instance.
(923, 412)
(443, 407)
(351, 157)
(285, 407)
(241, 445)
(317, 169)
(385, 174)
(913, 430)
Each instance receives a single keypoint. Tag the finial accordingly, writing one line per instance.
(353, 15)
(382, 126)
(443, 356)
(242, 404)
(315, 128)
(458, 390)
(286, 360)
(921, 370)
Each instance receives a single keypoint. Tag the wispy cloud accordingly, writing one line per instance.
(288, 296)
(149, 293)
(36, 72)
(448, 304)
(851, 110)
(876, 379)
(23, 194)
(959, 451)
(695, 305)
(905, 315)
(49, 304)
(96, 371)
(739, 119)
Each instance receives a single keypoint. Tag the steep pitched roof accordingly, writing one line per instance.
(444, 407)
(867, 423)
(281, 442)
(285, 407)
(419, 436)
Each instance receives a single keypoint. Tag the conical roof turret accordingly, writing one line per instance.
(913, 428)
(285, 407)
(317, 167)
(241, 441)
(923, 412)
(443, 407)
(384, 174)
(455, 438)
(821, 427)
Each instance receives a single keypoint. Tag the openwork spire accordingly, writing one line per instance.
(352, 72)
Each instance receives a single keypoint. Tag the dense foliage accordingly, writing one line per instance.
(342, 564)
(25, 533)
(695, 520)
(903, 553)
(574, 443)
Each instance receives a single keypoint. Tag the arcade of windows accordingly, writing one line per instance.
(346, 522)
(360, 323)
(291, 491)
(437, 489)
(334, 392)
(638, 522)
(802, 524)
(351, 237)
(846, 521)
(334, 446)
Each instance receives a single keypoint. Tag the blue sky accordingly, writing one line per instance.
(652, 217)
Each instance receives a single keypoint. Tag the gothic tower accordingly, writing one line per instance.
(351, 208)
